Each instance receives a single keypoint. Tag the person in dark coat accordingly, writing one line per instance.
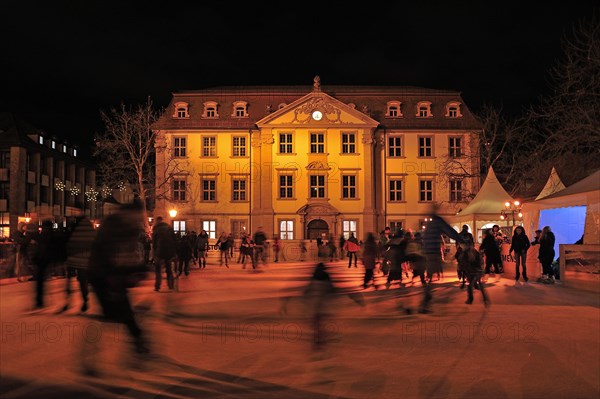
(546, 254)
(468, 238)
(396, 254)
(471, 261)
(163, 243)
(520, 244)
(490, 249)
(202, 244)
(369, 257)
(43, 256)
(184, 255)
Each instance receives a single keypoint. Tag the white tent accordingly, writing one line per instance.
(487, 205)
(570, 213)
(553, 185)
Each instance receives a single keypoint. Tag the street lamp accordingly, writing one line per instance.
(173, 213)
(511, 210)
(27, 217)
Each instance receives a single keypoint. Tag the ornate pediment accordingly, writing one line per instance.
(318, 165)
(318, 209)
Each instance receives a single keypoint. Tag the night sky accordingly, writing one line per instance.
(63, 62)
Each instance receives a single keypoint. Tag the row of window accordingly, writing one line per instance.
(240, 110)
(239, 227)
(317, 188)
(57, 146)
(395, 145)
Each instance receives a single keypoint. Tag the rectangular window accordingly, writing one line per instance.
(348, 143)
(425, 147)
(179, 226)
(179, 147)
(4, 190)
(238, 189)
(423, 112)
(452, 112)
(286, 229)
(209, 189)
(53, 144)
(181, 113)
(285, 143)
(395, 146)
(209, 146)
(456, 190)
(395, 225)
(41, 139)
(425, 190)
(239, 228)
(348, 226)
(239, 146)
(64, 148)
(240, 112)
(317, 143)
(454, 147)
(178, 190)
(348, 186)
(44, 194)
(211, 113)
(393, 111)
(286, 186)
(210, 226)
(395, 190)
(317, 186)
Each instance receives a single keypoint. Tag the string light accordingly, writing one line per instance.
(121, 186)
(91, 194)
(75, 190)
(106, 191)
(59, 185)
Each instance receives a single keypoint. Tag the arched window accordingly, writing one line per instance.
(424, 109)
(240, 109)
(181, 110)
(393, 109)
(210, 110)
(453, 110)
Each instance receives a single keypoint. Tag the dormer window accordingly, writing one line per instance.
(41, 140)
(53, 144)
(453, 110)
(424, 109)
(181, 110)
(393, 109)
(64, 148)
(210, 110)
(74, 152)
(240, 109)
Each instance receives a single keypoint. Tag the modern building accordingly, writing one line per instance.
(41, 177)
(303, 162)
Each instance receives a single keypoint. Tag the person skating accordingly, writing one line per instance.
(520, 244)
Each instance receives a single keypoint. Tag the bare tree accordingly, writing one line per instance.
(126, 154)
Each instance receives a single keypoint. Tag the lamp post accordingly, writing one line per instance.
(173, 213)
(511, 211)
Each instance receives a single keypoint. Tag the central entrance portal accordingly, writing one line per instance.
(317, 228)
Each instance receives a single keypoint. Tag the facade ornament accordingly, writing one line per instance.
(303, 113)
(317, 83)
(367, 138)
(318, 165)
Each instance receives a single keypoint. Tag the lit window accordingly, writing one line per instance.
(53, 144)
(348, 143)
(286, 230)
(456, 190)
(285, 143)
(453, 110)
(238, 228)
(210, 226)
(238, 189)
(74, 152)
(240, 109)
(454, 147)
(317, 186)
(181, 110)
(395, 225)
(64, 148)
(239, 146)
(317, 143)
(424, 109)
(349, 186)
(425, 146)
(393, 109)
(286, 186)
(179, 226)
(348, 226)
(209, 146)
(41, 139)
(425, 190)
(179, 147)
(395, 146)
(178, 190)
(209, 189)
(210, 110)
(395, 190)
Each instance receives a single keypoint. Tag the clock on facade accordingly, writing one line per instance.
(317, 115)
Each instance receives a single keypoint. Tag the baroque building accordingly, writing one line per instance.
(41, 177)
(304, 162)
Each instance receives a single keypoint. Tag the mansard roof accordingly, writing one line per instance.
(264, 100)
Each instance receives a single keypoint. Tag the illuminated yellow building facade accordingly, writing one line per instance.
(309, 162)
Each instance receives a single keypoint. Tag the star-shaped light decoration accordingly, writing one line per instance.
(121, 186)
(91, 194)
(75, 190)
(59, 185)
(106, 191)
